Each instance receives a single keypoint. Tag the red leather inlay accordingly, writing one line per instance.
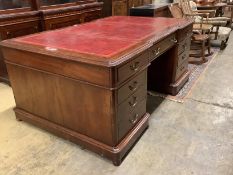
(102, 38)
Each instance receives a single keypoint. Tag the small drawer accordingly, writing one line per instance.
(184, 33)
(132, 67)
(131, 102)
(182, 69)
(132, 86)
(127, 119)
(182, 57)
(184, 45)
(162, 46)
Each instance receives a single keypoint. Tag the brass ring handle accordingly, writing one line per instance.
(134, 103)
(157, 51)
(174, 40)
(135, 118)
(135, 66)
(134, 86)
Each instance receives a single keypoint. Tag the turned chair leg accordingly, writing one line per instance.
(203, 51)
(208, 46)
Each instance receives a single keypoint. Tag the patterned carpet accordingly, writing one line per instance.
(195, 73)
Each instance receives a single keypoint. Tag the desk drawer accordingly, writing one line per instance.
(184, 45)
(132, 86)
(184, 33)
(162, 46)
(182, 69)
(182, 57)
(133, 66)
(127, 119)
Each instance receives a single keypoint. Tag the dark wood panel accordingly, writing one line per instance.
(121, 7)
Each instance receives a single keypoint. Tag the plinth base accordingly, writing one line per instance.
(115, 154)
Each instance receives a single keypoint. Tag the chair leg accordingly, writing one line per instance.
(203, 51)
(208, 45)
(223, 45)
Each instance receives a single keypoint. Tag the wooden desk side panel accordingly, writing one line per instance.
(88, 73)
(82, 108)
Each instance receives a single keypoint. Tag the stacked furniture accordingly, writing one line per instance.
(28, 20)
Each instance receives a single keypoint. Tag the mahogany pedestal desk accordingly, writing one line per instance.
(88, 83)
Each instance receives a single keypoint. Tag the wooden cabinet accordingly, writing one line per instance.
(121, 7)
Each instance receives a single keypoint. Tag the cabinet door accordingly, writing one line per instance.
(119, 8)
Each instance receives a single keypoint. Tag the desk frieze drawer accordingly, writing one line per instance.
(162, 46)
(132, 67)
(182, 69)
(132, 86)
(127, 118)
(182, 57)
(184, 33)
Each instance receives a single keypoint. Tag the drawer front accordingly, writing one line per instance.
(20, 29)
(92, 15)
(182, 69)
(184, 33)
(129, 118)
(184, 45)
(132, 86)
(182, 57)
(132, 67)
(162, 46)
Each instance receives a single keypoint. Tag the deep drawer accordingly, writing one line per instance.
(182, 69)
(132, 86)
(127, 118)
(182, 57)
(162, 46)
(132, 67)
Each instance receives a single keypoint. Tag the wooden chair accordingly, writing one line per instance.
(220, 30)
(200, 38)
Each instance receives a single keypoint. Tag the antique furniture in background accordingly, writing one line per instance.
(18, 18)
(91, 88)
(220, 30)
(211, 5)
(151, 10)
(121, 7)
(200, 40)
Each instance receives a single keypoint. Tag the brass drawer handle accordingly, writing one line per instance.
(134, 119)
(174, 40)
(134, 102)
(134, 86)
(135, 66)
(157, 51)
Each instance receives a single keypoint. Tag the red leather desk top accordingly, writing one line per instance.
(105, 39)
